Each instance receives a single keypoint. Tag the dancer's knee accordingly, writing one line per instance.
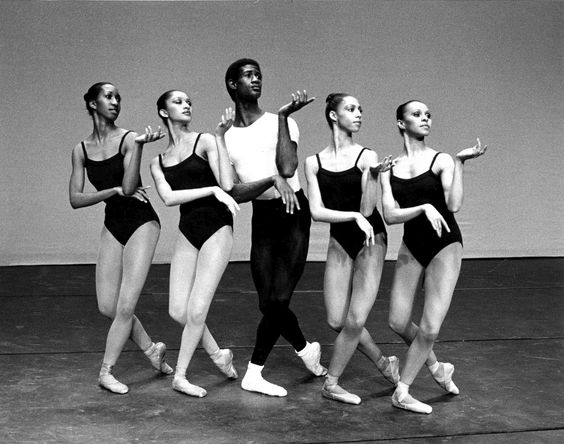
(177, 314)
(428, 333)
(125, 310)
(399, 325)
(196, 316)
(335, 324)
(273, 307)
(354, 323)
(106, 310)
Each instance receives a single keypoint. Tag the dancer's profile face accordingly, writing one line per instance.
(108, 102)
(416, 119)
(179, 107)
(349, 114)
(249, 83)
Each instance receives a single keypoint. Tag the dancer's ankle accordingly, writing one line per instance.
(434, 367)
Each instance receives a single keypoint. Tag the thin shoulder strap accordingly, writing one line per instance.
(196, 143)
(122, 140)
(359, 154)
(318, 160)
(434, 158)
(161, 160)
(84, 150)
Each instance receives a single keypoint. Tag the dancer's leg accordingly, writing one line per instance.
(137, 259)
(211, 262)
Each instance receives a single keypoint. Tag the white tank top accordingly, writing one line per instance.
(252, 151)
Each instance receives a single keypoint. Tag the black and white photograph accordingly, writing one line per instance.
(282, 221)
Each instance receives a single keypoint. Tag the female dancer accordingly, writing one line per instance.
(341, 189)
(111, 157)
(188, 174)
(423, 190)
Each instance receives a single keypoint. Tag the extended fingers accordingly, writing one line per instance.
(230, 113)
(233, 207)
(290, 203)
(151, 135)
(444, 224)
(140, 195)
(143, 193)
(370, 237)
(300, 98)
(159, 134)
(386, 163)
(296, 201)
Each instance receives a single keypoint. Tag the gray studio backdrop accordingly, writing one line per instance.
(486, 68)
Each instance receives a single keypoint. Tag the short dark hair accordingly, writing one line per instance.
(331, 103)
(233, 73)
(93, 93)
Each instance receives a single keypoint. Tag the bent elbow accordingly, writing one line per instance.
(454, 205)
(287, 173)
(74, 202)
(228, 188)
(167, 200)
(367, 211)
(389, 219)
(287, 170)
(316, 213)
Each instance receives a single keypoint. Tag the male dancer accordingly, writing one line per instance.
(263, 149)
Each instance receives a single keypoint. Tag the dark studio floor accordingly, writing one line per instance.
(504, 333)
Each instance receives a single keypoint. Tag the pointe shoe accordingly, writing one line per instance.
(107, 381)
(311, 355)
(183, 386)
(443, 377)
(338, 393)
(407, 402)
(254, 382)
(156, 355)
(223, 359)
(391, 370)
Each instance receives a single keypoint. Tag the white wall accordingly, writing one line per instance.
(490, 69)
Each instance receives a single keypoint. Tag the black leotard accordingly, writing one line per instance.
(200, 218)
(123, 214)
(342, 191)
(418, 234)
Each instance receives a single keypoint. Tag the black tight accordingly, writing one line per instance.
(280, 243)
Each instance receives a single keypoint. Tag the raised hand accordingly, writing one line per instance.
(436, 219)
(365, 226)
(225, 198)
(471, 153)
(299, 100)
(150, 136)
(226, 122)
(382, 167)
(288, 195)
